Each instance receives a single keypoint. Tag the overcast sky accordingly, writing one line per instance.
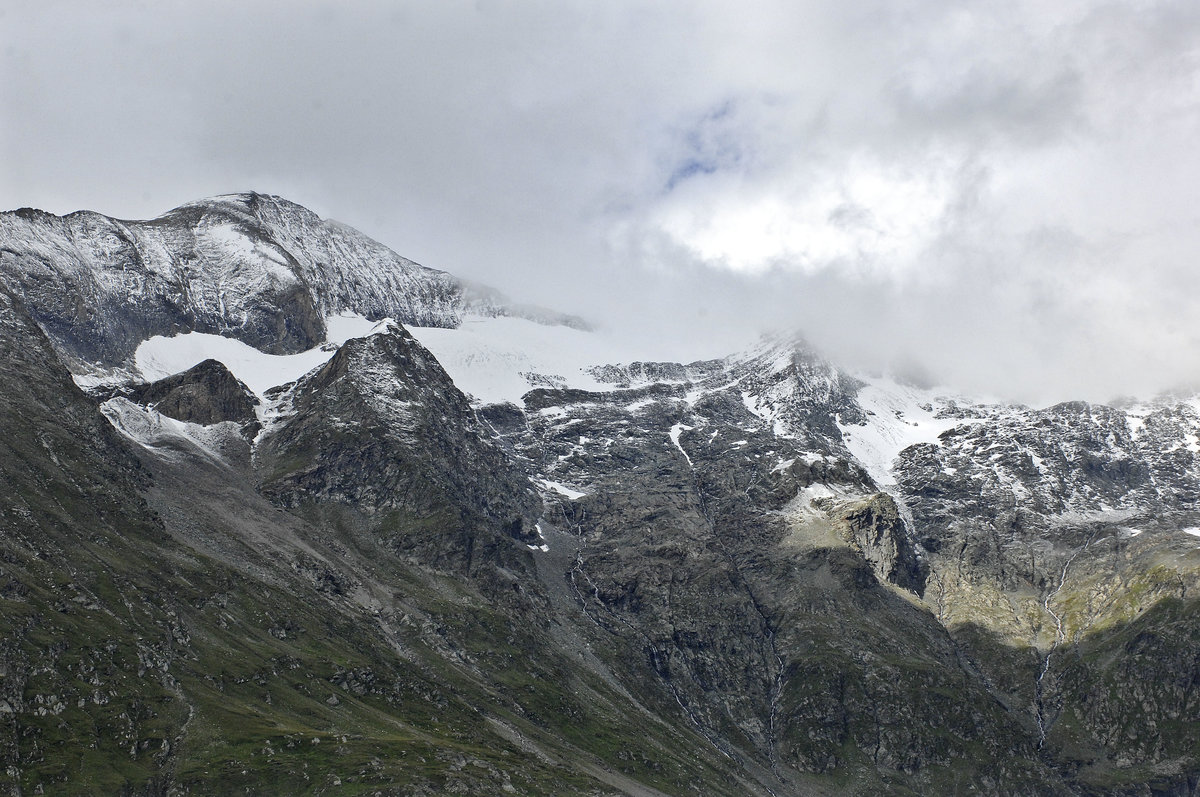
(1005, 194)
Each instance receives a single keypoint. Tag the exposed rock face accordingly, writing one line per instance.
(640, 374)
(206, 393)
(101, 286)
(874, 528)
(45, 413)
(382, 428)
(248, 266)
(1062, 528)
(740, 569)
(1072, 457)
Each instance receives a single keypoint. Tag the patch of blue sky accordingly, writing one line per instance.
(710, 144)
(691, 167)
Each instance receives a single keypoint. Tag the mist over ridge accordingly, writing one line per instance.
(1003, 197)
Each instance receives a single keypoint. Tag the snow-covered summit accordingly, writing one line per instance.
(253, 267)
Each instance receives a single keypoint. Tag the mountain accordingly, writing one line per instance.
(255, 268)
(283, 511)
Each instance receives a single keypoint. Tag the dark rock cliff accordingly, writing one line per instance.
(381, 428)
(206, 393)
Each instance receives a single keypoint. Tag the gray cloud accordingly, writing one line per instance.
(1004, 195)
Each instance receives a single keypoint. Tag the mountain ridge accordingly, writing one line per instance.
(251, 266)
(748, 575)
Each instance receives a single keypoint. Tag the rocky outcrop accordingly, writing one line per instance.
(873, 527)
(206, 393)
(1072, 457)
(383, 430)
(1063, 529)
(638, 374)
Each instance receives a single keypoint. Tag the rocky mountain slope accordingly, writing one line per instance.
(252, 267)
(292, 550)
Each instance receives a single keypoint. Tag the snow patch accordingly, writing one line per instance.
(898, 416)
(561, 489)
(234, 248)
(162, 434)
(677, 430)
(1135, 422)
(161, 356)
(813, 501)
(751, 404)
(501, 359)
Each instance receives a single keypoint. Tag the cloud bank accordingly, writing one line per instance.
(1002, 196)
